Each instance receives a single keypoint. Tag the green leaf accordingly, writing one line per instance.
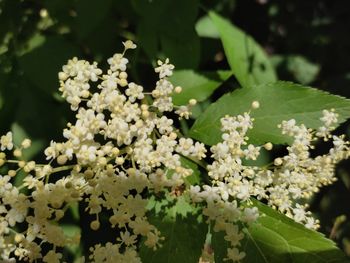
(162, 29)
(263, 159)
(41, 65)
(246, 58)
(197, 85)
(278, 101)
(147, 39)
(10, 97)
(206, 28)
(34, 42)
(276, 238)
(184, 235)
(194, 178)
(90, 14)
(74, 210)
(71, 230)
(19, 134)
(182, 52)
(219, 245)
(303, 70)
(295, 67)
(35, 112)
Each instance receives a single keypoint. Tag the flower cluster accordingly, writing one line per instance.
(123, 148)
(232, 183)
(285, 184)
(119, 147)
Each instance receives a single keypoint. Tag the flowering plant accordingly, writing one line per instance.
(163, 171)
(124, 159)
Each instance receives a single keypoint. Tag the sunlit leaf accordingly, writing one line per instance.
(197, 85)
(184, 234)
(276, 238)
(278, 101)
(247, 59)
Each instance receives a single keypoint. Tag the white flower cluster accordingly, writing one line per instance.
(118, 147)
(291, 179)
(297, 175)
(122, 148)
(232, 183)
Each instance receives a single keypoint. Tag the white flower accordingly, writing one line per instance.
(243, 190)
(252, 152)
(185, 146)
(52, 257)
(118, 62)
(164, 125)
(165, 69)
(220, 150)
(129, 44)
(127, 239)
(163, 103)
(134, 92)
(299, 213)
(82, 70)
(250, 214)
(199, 150)
(329, 118)
(210, 194)
(110, 82)
(235, 255)
(51, 151)
(6, 142)
(233, 234)
(183, 112)
(195, 193)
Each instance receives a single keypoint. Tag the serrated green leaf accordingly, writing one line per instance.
(246, 58)
(276, 238)
(184, 240)
(184, 234)
(278, 101)
(197, 85)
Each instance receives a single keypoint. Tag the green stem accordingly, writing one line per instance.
(62, 168)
